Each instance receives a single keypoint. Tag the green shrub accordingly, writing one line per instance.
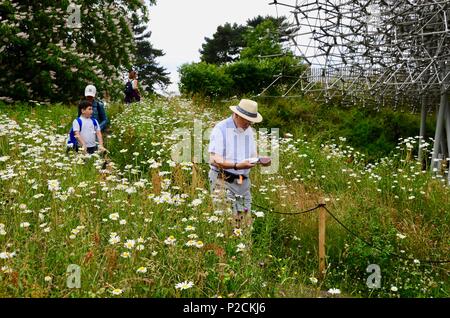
(249, 76)
(204, 79)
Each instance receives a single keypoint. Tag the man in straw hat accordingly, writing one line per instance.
(233, 153)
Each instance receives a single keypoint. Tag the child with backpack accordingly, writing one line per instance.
(98, 107)
(85, 130)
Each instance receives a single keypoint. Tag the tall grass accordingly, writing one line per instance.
(145, 224)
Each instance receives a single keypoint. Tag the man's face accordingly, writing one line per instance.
(242, 122)
(90, 98)
(87, 112)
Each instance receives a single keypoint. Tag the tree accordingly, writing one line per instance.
(282, 26)
(150, 73)
(48, 55)
(261, 60)
(228, 41)
(264, 40)
(224, 46)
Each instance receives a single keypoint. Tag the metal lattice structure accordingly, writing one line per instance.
(376, 51)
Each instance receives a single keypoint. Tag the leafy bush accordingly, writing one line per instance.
(204, 79)
(378, 133)
(249, 76)
(261, 61)
(287, 115)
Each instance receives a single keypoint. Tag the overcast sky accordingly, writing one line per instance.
(180, 26)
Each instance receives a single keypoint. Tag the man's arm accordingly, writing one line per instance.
(218, 161)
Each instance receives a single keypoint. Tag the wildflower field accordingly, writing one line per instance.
(139, 224)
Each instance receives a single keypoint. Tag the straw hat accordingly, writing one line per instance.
(248, 109)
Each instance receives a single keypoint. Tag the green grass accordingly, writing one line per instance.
(144, 197)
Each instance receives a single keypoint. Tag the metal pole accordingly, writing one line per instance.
(423, 119)
(447, 130)
(439, 126)
(443, 149)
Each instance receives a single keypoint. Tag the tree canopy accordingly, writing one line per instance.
(229, 69)
(51, 49)
(225, 45)
(229, 40)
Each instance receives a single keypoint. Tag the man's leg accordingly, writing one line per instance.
(222, 199)
(240, 194)
(247, 219)
(218, 190)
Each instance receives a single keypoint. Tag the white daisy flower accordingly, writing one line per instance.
(184, 285)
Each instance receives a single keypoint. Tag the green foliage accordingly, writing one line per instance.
(243, 77)
(287, 114)
(224, 46)
(283, 27)
(204, 79)
(263, 40)
(248, 75)
(46, 57)
(229, 40)
(375, 133)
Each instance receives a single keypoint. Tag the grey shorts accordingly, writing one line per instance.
(237, 194)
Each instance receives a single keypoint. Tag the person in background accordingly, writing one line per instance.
(98, 107)
(132, 93)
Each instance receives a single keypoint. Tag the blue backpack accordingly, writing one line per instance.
(72, 141)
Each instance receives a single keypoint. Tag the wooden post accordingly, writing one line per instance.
(322, 226)
(194, 179)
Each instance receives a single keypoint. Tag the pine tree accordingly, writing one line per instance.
(149, 72)
(224, 46)
(229, 40)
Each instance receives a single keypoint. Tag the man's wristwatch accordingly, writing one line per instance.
(235, 168)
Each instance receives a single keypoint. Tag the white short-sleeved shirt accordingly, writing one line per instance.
(233, 145)
(88, 130)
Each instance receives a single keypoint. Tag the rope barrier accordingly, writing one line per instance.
(295, 213)
(377, 248)
(322, 205)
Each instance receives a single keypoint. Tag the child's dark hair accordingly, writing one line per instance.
(84, 104)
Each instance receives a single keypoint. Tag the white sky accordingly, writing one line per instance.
(180, 26)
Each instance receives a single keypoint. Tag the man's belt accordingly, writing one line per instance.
(230, 177)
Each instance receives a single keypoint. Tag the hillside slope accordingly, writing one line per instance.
(144, 225)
